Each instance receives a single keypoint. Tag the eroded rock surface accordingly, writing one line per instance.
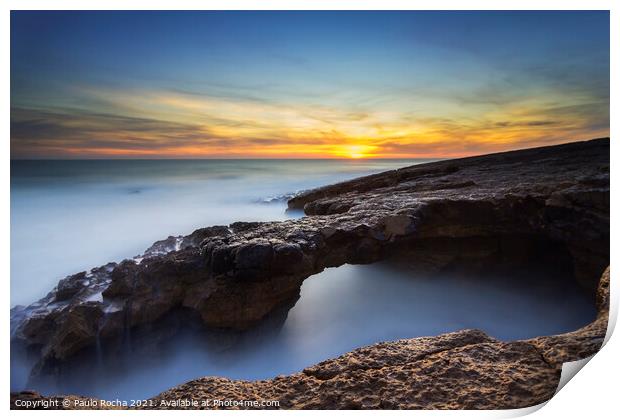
(550, 203)
(461, 370)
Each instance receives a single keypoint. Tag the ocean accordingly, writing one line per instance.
(68, 216)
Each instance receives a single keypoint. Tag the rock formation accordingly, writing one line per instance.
(549, 205)
(461, 370)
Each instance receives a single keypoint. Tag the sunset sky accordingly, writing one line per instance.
(304, 84)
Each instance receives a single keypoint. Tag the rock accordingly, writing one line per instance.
(255, 255)
(287, 258)
(584, 342)
(547, 205)
(486, 375)
(602, 294)
(70, 286)
(461, 370)
(77, 327)
(398, 225)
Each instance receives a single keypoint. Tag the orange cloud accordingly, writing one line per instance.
(172, 124)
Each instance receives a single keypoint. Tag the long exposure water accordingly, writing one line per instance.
(69, 216)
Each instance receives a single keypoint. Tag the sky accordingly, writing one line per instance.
(348, 84)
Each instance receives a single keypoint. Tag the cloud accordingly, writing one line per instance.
(175, 123)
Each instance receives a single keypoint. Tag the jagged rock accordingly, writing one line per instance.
(461, 370)
(70, 286)
(584, 342)
(547, 204)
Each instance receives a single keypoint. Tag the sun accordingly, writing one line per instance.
(352, 151)
(357, 151)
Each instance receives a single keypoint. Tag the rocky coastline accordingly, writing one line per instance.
(547, 206)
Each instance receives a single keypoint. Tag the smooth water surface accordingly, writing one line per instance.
(71, 215)
(68, 216)
(347, 307)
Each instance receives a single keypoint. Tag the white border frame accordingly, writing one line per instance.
(592, 394)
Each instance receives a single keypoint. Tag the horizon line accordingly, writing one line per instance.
(362, 158)
(240, 158)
